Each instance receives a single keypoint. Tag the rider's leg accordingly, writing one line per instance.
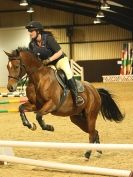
(65, 66)
(78, 100)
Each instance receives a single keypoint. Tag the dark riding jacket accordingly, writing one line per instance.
(49, 47)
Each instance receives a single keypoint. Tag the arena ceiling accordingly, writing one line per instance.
(119, 14)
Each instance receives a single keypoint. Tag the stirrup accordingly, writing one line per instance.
(79, 101)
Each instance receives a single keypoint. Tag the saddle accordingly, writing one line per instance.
(61, 77)
(62, 80)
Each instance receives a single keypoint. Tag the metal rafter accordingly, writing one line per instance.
(120, 14)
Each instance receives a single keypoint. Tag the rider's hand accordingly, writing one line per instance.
(46, 62)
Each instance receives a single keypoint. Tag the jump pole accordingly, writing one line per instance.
(67, 167)
(8, 110)
(59, 145)
(17, 94)
(5, 95)
(13, 101)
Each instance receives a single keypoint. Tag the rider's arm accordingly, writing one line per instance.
(56, 55)
(30, 46)
(55, 47)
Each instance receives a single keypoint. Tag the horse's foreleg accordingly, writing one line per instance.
(42, 123)
(48, 107)
(28, 107)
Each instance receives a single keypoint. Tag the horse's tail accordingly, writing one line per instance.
(109, 108)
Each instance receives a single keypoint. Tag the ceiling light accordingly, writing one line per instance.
(30, 10)
(97, 20)
(23, 3)
(104, 6)
(100, 14)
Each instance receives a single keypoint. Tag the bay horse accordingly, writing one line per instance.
(44, 94)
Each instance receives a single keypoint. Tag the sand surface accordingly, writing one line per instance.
(11, 128)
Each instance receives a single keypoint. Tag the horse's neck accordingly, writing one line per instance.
(31, 64)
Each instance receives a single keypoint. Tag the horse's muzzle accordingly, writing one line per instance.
(12, 88)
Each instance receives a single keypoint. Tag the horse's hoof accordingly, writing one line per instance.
(48, 128)
(34, 127)
(98, 154)
(87, 154)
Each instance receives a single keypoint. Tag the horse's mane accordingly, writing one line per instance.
(16, 53)
(19, 49)
(22, 49)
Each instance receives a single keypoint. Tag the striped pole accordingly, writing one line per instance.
(67, 167)
(12, 94)
(13, 101)
(16, 95)
(59, 145)
(8, 110)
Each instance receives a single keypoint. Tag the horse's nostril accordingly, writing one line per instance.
(10, 88)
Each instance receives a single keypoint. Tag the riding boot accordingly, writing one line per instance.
(78, 100)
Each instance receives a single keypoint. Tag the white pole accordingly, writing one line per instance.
(59, 145)
(67, 167)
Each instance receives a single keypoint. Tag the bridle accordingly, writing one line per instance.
(22, 66)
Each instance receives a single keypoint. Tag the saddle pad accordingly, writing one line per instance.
(80, 86)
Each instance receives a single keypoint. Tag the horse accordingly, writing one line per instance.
(45, 93)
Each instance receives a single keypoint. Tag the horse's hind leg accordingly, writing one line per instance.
(80, 121)
(86, 122)
(42, 123)
(91, 117)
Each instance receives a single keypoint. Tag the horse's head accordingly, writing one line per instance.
(15, 69)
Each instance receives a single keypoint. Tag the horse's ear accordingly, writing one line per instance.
(8, 54)
(17, 51)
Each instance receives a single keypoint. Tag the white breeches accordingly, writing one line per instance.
(63, 64)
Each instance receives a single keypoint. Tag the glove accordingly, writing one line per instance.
(46, 62)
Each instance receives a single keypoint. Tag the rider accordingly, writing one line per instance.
(44, 45)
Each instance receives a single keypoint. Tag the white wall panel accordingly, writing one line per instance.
(10, 39)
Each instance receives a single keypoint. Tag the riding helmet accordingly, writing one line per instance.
(34, 25)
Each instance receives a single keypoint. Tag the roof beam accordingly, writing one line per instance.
(67, 7)
(116, 19)
(127, 3)
(124, 11)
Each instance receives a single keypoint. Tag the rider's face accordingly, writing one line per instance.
(33, 34)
